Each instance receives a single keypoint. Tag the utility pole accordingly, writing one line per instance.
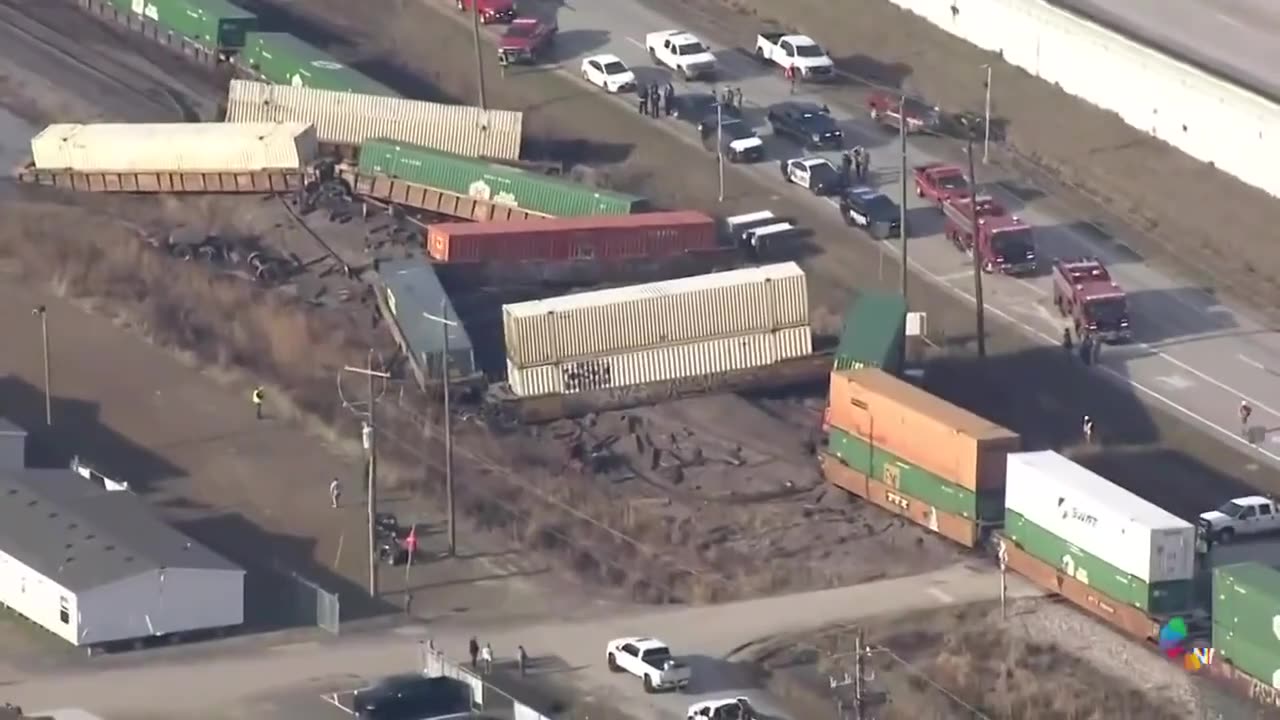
(720, 144)
(986, 122)
(369, 441)
(976, 250)
(475, 30)
(451, 506)
(43, 314)
(902, 221)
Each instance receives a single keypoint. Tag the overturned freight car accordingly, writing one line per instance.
(414, 303)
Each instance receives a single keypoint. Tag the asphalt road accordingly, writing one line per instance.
(223, 682)
(1193, 354)
(1235, 38)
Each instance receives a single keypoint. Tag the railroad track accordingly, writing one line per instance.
(25, 19)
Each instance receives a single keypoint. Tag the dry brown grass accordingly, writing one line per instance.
(959, 663)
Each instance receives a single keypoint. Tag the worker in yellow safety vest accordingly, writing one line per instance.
(256, 397)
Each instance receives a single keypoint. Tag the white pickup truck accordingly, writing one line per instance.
(650, 660)
(682, 52)
(800, 52)
(1250, 515)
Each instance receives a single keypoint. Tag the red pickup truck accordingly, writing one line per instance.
(888, 109)
(940, 182)
(491, 11)
(525, 40)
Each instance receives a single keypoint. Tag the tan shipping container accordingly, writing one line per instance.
(953, 527)
(920, 428)
(661, 364)
(189, 147)
(347, 118)
(620, 320)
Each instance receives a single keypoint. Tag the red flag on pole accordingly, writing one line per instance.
(411, 542)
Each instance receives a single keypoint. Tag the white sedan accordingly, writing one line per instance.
(608, 72)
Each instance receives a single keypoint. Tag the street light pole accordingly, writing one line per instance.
(720, 144)
(975, 248)
(369, 441)
(445, 324)
(475, 30)
(902, 218)
(43, 313)
(986, 121)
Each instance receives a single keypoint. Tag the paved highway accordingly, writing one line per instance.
(247, 680)
(1236, 38)
(1193, 355)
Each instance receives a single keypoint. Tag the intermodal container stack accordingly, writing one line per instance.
(915, 454)
(1102, 535)
(617, 237)
(192, 147)
(873, 333)
(285, 60)
(212, 24)
(349, 118)
(1246, 619)
(491, 182)
(702, 325)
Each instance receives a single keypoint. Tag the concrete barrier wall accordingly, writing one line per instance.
(1207, 118)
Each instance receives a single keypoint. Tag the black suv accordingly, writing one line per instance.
(809, 124)
(872, 211)
(738, 141)
(699, 109)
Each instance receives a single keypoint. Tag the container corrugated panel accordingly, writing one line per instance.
(872, 333)
(661, 364)
(572, 327)
(1247, 655)
(175, 146)
(947, 440)
(1161, 597)
(412, 288)
(908, 479)
(608, 237)
(213, 24)
(284, 59)
(1087, 510)
(350, 118)
(492, 182)
(1246, 599)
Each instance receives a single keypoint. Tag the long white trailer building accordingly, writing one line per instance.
(95, 567)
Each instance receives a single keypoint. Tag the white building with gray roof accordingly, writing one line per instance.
(94, 567)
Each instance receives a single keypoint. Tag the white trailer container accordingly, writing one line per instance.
(1101, 518)
(609, 322)
(670, 362)
(345, 118)
(206, 147)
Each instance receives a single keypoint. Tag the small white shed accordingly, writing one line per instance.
(13, 446)
(93, 566)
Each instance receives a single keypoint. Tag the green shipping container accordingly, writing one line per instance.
(492, 181)
(1263, 664)
(214, 24)
(1246, 600)
(873, 332)
(1165, 597)
(912, 481)
(285, 60)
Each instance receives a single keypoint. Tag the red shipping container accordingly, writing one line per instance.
(645, 235)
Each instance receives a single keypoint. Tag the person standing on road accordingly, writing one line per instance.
(1246, 411)
(1087, 428)
(643, 103)
(257, 397)
(1095, 352)
(668, 99)
(522, 657)
(1066, 341)
(486, 659)
(474, 648)
(655, 100)
(789, 72)
(864, 164)
(846, 166)
(335, 492)
(737, 93)
(1086, 349)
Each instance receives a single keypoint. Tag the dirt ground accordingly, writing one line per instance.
(968, 663)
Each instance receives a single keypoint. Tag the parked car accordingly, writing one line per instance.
(526, 40)
(735, 708)
(700, 109)
(491, 11)
(681, 52)
(815, 174)
(608, 72)
(736, 139)
(872, 211)
(1251, 515)
(648, 659)
(798, 52)
(888, 109)
(808, 124)
(412, 696)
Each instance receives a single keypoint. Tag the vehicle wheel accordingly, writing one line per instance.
(760, 55)
(988, 267)
(612, 662)
(684, 75)
(875, 114)
(1226, 535)
(653, 54)
(648, 685)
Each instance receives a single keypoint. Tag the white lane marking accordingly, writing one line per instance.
(941, 595)
(637, 43)
(1177, 382)
(959, 275)
(1250, 361)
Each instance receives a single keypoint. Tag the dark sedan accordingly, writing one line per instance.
(872, 211)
